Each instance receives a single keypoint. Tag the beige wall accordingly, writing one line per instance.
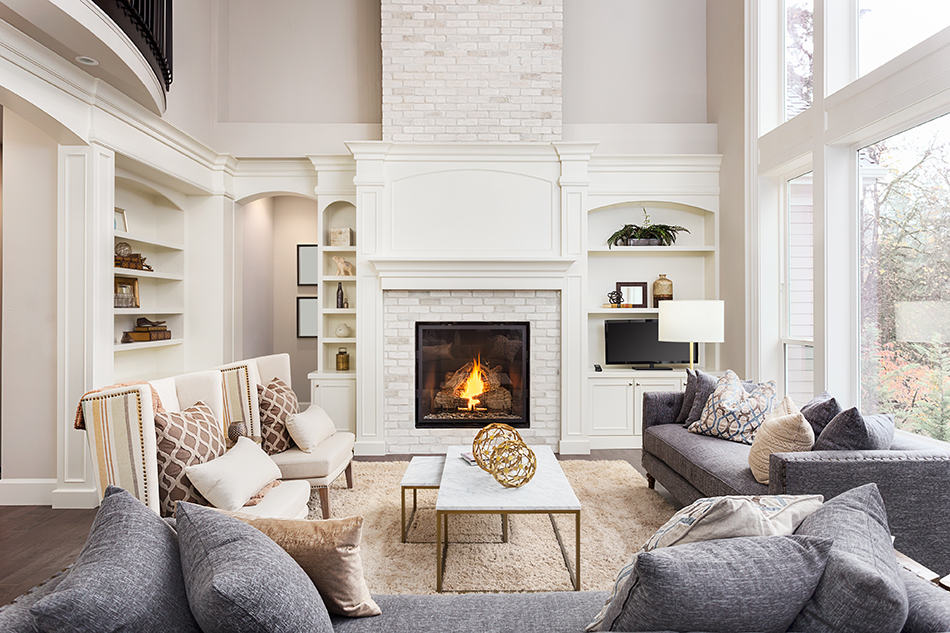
(725, 106)
(634, 61)
(28, 381)
(257, 221)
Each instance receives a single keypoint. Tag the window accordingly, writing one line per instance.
(799, 56)
(798, 288)
(905, 277)
(887, 28)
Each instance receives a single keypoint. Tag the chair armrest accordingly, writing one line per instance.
(661, 407)
(913, 485)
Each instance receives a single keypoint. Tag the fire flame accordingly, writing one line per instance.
(473, 386)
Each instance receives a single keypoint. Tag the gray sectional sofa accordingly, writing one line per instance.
(913, 476)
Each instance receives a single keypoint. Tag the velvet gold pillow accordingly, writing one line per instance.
(329, 552)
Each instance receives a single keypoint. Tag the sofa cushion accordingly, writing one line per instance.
(928, 605)
(183, 439)
(851, 431)
(330, 457)
(127, 576)
(734, 414)
(237, 579)
(705, 385)
(738, 584)
(785, 431)
(689, 394)
(552, 612)
(820, 410)
(278, 403)
(288, 500)
(309, 428)
(228, 482)
(715, 467)
(862, 589)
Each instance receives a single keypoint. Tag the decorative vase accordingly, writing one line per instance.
(342, 360)
(643, 241)
(662, 290)
(236, 430)
(339, 294)
(343, 330)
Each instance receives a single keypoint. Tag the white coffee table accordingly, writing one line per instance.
(466, 489)
(423, 472)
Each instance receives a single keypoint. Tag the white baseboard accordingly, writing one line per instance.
(574, 447)
(80, 498)
(369, 448)
(26, 492)
(616, 441)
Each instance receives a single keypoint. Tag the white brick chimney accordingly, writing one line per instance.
(471, 70)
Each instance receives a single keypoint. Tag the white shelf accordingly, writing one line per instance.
(623, 311)
(129, 347)
(150, 274)
(338, 249)
(651, 250)
(339, 310)
(335, 340)
(141, 311)
(172, 246)
(339, 278)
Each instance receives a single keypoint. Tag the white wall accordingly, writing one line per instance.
(634, 61)
(190, 101)
(28, 404)
(257, 221)
(726, 105)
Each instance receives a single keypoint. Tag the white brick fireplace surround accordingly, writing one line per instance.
(401, 310)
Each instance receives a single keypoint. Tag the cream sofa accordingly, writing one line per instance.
(120, 426)
(321, 467)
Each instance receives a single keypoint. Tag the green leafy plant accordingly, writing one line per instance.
(665, 233)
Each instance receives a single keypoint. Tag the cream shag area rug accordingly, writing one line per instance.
(618, 514)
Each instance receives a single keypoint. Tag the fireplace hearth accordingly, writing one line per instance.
(470, 374)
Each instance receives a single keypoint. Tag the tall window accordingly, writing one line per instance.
(798, 285)
(905, 277)
(887, 28)
(799, 56)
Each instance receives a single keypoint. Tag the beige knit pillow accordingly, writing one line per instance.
(785, 431)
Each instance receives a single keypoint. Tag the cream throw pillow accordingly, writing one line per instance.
(329, 552)
(309, 428)
(229, 481)
(785, 431)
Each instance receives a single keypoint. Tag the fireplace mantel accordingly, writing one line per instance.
(501, 273)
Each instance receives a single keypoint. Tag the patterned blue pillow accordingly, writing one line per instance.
(733, 414)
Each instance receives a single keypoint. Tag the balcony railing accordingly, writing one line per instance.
(148, 23)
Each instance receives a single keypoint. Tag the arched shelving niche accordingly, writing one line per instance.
(337, 214)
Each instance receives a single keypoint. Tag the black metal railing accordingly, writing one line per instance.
(148, 23)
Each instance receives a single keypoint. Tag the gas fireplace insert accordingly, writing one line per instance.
(470, 374)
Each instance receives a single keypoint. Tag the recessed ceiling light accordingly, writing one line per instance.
(85, 60)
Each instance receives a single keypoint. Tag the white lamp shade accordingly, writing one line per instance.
(691, 321)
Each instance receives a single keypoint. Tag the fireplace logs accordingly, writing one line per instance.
(494, 396)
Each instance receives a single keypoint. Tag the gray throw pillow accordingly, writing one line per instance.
(851, 431)
(705, 385)
(127, 576)
(819, 411)
(688, 396)
(737, 584)
(862, 589)
(240, 580)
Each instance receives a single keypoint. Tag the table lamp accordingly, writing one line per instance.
(699, 321)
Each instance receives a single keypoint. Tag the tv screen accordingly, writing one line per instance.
(634, 342)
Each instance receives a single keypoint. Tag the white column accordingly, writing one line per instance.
(84, 320)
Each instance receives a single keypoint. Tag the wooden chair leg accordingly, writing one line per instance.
(651, 482)
(324, 493)
(349, 475)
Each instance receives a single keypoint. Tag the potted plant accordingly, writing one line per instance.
(646, 234)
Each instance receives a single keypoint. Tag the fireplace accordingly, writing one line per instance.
(470, 374)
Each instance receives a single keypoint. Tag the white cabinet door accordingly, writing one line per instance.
(338, 399)
(643, 385)
(611, 406)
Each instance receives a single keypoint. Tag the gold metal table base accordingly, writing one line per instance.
(415, 490)
(442, 539)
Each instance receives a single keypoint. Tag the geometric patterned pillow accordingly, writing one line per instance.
(184, 438)
(733, 414)
(278, 402)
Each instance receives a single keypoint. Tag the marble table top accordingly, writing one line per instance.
(423, 470)
(466, 487)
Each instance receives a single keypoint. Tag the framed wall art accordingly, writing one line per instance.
(307, 258)
(307, 311)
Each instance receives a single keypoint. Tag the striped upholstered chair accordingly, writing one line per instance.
(321, 467)
(120, 426)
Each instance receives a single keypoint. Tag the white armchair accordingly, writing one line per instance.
(120, 426)
(321, 467)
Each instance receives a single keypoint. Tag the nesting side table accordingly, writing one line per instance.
(423, 472)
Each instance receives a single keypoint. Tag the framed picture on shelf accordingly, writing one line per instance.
(126, 291)
(307, 255)
(634, 293)
(307, 309)
(119, 221)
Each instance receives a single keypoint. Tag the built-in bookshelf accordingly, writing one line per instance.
(340, 214)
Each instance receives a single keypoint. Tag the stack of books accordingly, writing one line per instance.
(147, 330)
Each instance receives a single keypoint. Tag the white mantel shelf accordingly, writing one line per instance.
(499, 273)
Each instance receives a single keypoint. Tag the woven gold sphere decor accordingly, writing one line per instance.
(487, 439)
(513, 464)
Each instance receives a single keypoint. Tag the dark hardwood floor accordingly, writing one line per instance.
(37, 541)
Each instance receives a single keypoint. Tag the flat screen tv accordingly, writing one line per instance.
(634, 342)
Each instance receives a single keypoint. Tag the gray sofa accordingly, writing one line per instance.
(913, 476)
